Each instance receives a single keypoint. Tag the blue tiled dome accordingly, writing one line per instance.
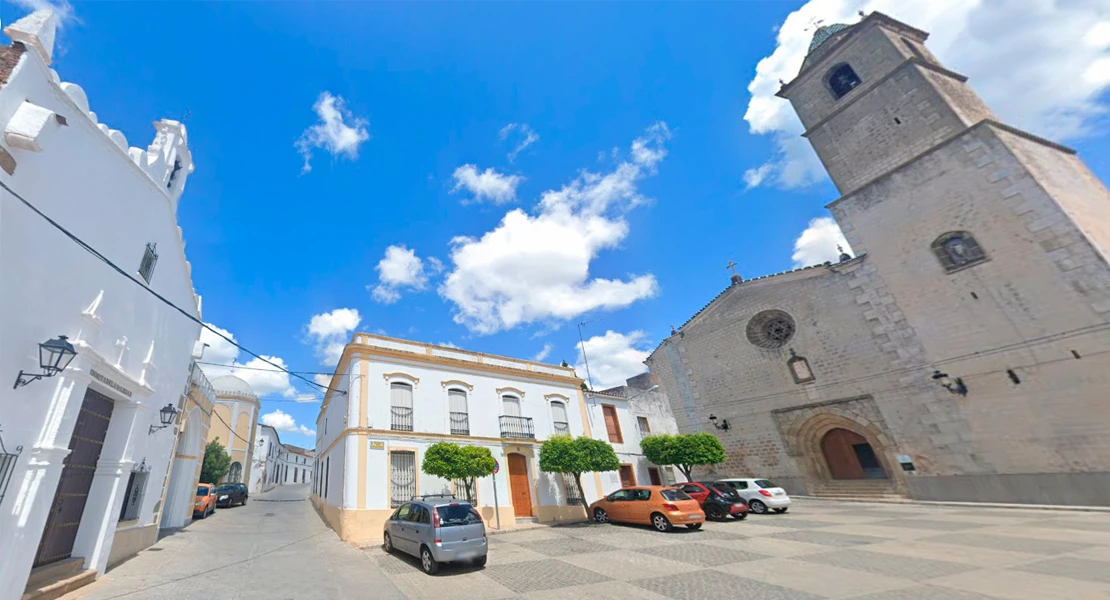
(825, 32)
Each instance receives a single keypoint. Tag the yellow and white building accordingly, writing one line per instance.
(233, 419)
(390, 399)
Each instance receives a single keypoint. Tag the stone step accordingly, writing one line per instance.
(54, 571)
(60, 587)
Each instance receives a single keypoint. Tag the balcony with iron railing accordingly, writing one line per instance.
(460, 423)
(561, 427)
(200, 382)
(401, 418)
(517, 427)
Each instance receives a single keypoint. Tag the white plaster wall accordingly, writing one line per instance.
(86, 183)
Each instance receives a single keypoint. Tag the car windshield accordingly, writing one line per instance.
(202, 491)
(765, 483)
(674, 495)
(226, 488)
(454, 515)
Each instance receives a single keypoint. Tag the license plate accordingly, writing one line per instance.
(466, 555)
(779, 493)
(694, 518)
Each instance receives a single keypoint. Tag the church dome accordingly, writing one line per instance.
(232, 386)
(825, 32)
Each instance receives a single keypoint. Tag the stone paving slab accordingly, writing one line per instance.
(701, 585)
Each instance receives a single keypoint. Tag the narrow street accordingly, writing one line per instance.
(273, 547)
(277, 548)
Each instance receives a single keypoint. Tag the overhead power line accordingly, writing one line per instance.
(161, 298)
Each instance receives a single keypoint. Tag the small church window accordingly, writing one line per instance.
(842, 79)
(173, 173)
(958, 249)
(771, 329)
(150, 258)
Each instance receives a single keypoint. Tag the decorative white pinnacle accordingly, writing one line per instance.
(36, 31)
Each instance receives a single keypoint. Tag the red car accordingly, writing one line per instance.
(717, 504)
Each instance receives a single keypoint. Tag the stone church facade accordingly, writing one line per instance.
(964, 353)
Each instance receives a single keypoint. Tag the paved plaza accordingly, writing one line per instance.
(820, 549)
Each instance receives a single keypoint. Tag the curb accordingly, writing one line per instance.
(1052, 507)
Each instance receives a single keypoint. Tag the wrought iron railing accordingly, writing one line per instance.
(402, 418)
(517, 427)
(198, 378)
(562, 427)
(7, 466)
(460, 423)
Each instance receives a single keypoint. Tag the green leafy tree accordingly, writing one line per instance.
(455, 462)
(684, 451)
(217, 462)
(564, 454)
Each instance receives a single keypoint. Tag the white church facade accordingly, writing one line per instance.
(962, 353)
(84, 453)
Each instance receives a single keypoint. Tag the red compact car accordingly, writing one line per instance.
(717, 504)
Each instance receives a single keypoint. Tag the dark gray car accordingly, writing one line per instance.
(436, 530)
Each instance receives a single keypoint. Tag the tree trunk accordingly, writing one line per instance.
(581, 492)
(468, 483)
(687, 470)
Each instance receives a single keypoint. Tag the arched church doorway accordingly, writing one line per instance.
(850, 456)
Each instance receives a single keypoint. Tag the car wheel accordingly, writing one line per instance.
(660, 522)
(601, 516)
(780, 510)
(741, 516)
(694, 526)
(428, 562)
(715, 512)
(203, 514)
(244, 500)
(757, 507)
(481, 561)
(387, 544)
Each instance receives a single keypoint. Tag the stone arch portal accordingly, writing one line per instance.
(834, 444)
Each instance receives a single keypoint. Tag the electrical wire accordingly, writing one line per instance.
(164, 300)
(245, 368)
(230, 429)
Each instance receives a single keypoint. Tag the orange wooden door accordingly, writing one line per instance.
(519, 485)
(628, 478)
(837, 448)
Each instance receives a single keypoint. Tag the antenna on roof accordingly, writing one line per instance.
(814, 23)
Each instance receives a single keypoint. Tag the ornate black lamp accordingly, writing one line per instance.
(167, 415)
(54, 356)
(954, 386)
(723, 425)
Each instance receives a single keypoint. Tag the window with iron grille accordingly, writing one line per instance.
(402, 477)
(150, 258)
(559, 417)
(133, 499)
(460, 419)
(645, 429)
(574, 498)
(400, 395)
(460, 490)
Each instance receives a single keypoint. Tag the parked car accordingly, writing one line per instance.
(717, 504)
(662, 507)
(206, 500)
(230, 494)
(437, 529)
(760, 494)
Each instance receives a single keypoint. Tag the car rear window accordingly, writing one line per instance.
(674, 495)
(226, 488)
(455, 515)
(764, 483)
(202, 491)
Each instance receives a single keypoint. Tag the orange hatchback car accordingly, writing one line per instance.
(661, 507)
(206, 500)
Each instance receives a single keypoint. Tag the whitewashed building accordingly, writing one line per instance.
(233, 424)
(267, 446)
(294, 465)
(84, 457)
(195, 419)
(391, 399)
(623, 416)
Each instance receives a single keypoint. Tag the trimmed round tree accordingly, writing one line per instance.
(217, 462)
(454, 462)
(575, 456)
(684, 451)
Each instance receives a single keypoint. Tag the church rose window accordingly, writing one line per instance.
(842, 79)
(957, 250)
(771, 329)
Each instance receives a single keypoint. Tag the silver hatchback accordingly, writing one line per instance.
(437, 530)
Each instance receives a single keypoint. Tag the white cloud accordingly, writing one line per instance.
(447, 345)
(264, 379)
(285, 422)
(527, 136)
(1041, 65)
(331, 331)
(544, 353)
(63, 11)
(613, 358)
(487, 185)
(818, 243)
(324, 380)
(339, 132)
(537, 267)
(401, 269)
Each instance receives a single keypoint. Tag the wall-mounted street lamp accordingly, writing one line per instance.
(955, 386)
(723, 425)
(54, 357)
(167, 416)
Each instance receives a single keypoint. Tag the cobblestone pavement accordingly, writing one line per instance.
(275, 547)
(820, 549)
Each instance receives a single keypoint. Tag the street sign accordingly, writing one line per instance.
(496, 466)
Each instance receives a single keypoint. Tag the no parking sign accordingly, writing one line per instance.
(496, 466)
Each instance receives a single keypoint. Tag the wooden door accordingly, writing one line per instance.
(77, 476)
(628, 478)
(520, 485)
(839, 454)
(653, 473)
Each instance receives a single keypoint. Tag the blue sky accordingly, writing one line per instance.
(531, 165)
